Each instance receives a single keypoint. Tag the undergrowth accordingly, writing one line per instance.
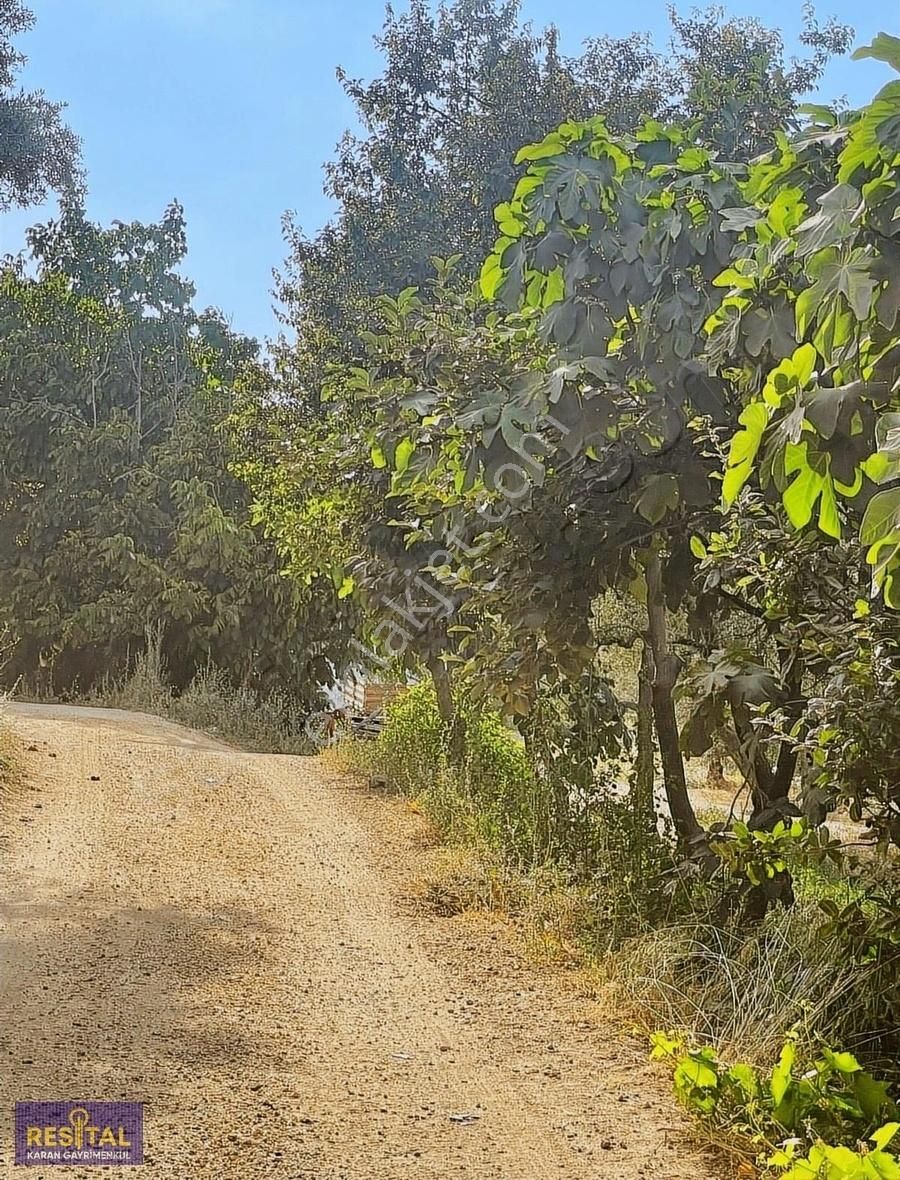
(264, 722)
(593, 882)
(9, 752)
(822, 1117)
(612, 863)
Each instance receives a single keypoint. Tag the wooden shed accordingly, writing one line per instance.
(369, 696)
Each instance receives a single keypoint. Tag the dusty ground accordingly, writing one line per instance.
(227, 937)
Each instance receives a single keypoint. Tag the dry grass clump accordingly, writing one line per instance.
(268, 723)
(10, 767)
(554, 916)
(743, 992)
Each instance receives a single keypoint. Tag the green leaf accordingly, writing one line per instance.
(403, 454)
(834, 222)
(882, 517)
(884, 1135)
(786, 211)
(872, 134)
(697, 1072)
(734, 278)
(884, 48)
(378, 456)
(659, 496)
(884, 465)
(491, 276)
(665, 1045)
(745, 1077)
(873, 1097)
(753, 684)
(548, 148)
(736, 219)
(804, 360)
(826, 407)
(880, 530)
(821, 114)
(781, 1074)
(829, 517)
(559, 322)
(744, 448)
(801, 496)
(769, 326)
(844, 1063)
(555, 287)
(848, 276)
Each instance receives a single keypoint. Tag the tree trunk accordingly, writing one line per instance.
(769, 791)
(644, 762)
(786, 763)
(666, 668)
(770, 786)
(454, 724)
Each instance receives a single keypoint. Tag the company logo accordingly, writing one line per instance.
(79, 1133)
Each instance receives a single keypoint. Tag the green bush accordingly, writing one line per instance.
(491, 800)
(597, 840)
(790, 1109)
(411, 747)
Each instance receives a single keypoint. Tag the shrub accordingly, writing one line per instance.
(610, 868)
(411, 747)
(492, 800)
(785, 1111)
(145, 686)
(9, 751)
(272, 722)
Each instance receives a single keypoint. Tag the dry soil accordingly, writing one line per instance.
(233, 939)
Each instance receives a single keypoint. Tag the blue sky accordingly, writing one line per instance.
(232, 106)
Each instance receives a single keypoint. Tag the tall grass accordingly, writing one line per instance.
(9, 751)
(742, 991)
(266, 722)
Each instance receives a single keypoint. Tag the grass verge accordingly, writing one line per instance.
(10, 770)
(261, 722)
(590, 888)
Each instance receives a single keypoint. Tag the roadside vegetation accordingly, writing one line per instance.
(595, 888)
(9, 752)
(267, 722)
(586, 418)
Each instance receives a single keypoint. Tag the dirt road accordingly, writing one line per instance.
(229, 938)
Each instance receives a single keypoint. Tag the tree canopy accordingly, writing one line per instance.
(119, 511)
(655, 299)
(443, 122)
(38, 152)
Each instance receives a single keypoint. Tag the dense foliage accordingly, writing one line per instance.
(647, 340)
(594, 415)
(119, 514)
(443, 122)
(38, 152)
(833, 1101)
